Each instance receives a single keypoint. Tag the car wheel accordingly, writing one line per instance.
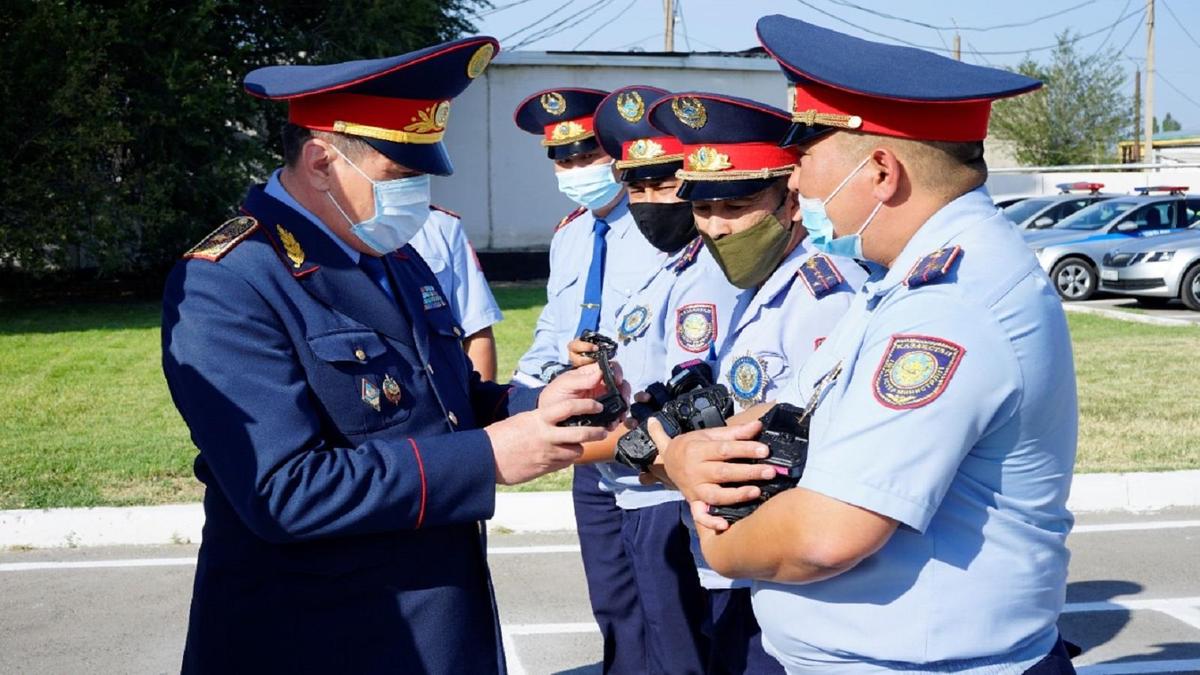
(1074, 279)
(1153, 303)
(1189, 290)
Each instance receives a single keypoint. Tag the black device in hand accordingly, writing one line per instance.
(686, 402)
(785, 433)
(613, 402)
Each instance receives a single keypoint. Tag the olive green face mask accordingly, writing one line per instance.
(748, 257)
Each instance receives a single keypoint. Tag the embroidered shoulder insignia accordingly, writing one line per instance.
(435, 207)
(570, 216)
(915, 370)
(820, 275)
(696, 326)
(689, 255)
(223, 239)
(933, 267)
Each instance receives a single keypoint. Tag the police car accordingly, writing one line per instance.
(1039, 213)
(1071, 251)
(1157, 270)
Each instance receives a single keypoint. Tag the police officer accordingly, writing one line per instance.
(678, 316)
(348, 451)
(598, 260)
(443, 245)
(735, 176)
(928, 533)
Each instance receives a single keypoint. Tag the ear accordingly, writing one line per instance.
(316, 164)
(885, 170)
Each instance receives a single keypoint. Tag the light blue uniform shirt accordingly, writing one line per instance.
(443, 245)
(774, 331)
(950, 407)
(679, 316)
(630, 263)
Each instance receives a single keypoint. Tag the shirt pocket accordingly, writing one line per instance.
(363, 381)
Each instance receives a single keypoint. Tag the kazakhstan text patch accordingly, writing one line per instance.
(696, 326)
(915, 370)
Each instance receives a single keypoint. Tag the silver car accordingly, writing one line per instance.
(1157, 270)
(1039, 213)
(1071, 251)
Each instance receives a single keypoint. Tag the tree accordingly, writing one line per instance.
(1076, 118)
(1168, 124)
(127, 132)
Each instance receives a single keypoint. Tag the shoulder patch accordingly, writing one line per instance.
(689, 255)
(933, 267)
(696, 326)
(915, 370)
(820, 275)
(435, 207)
(570, 216)
(223, 239)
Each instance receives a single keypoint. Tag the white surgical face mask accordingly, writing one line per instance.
(591, 187)
(401, 209)
(820, 227)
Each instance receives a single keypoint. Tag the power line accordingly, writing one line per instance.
(606, 24)
(1177, 89)
(981, 29)
(1113, 29)
(981, 56)
(638, 41)
(933, 48)
(683, 23)
(529, 26)
(1132, 35)
(564, 25)
(1180, 23)
(501, 8)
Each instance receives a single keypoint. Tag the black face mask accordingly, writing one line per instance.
(668, 227)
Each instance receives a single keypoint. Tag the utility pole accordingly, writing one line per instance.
(1137, 116)
(957, 47)
(1148, 155)
(669, 25)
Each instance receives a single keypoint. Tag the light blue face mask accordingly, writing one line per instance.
(820, 227)
(401, 209)
(591, 187)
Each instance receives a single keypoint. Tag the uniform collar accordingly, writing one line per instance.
(276, 189)
(619, 219)
(941, 228)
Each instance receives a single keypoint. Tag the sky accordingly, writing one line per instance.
(728, 25)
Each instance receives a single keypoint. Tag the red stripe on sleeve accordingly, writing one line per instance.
(421, 468)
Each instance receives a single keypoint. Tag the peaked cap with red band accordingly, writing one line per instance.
(730, 145)
(563, 118)
(623, 128)
(399, 105)
(843, 82)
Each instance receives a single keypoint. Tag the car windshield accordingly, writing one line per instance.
(1097, 215)
(1022, 210)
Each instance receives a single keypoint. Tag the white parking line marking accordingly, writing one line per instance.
(96, 564)
(511, 658)
(1128, 527)
(551, 628)
(1164, 666)
(1186, 610)
(525, 550)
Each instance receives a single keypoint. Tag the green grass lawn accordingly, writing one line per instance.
(85, 417)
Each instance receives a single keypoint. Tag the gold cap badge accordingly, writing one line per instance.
(480, 60)
(554, 103)
(630, 106)
(690, 111)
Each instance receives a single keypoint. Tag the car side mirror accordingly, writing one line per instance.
(1127, 226)
(1043, 222)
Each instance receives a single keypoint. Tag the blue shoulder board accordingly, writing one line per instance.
(690, 252)
(933, 267)
(820, 275)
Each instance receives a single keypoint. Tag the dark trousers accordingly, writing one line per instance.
(735, 639)
(641, 581)
(1057, 662)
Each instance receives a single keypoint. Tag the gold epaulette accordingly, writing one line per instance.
(435, 207)
(223, 239)
(570, 216)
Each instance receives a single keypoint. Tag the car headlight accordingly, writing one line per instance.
(1159, 256)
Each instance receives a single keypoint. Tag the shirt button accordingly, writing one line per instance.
(457, 332)
(360, 354)
(452, 417)
(429, 368)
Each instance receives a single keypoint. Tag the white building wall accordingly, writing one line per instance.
(503, 183)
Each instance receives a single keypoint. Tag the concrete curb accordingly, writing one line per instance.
(515, 512)
(1132, 317)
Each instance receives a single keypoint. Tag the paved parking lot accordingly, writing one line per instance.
(1133, 602)
(1175, 310)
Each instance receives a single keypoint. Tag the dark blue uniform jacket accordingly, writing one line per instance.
(343, 529)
